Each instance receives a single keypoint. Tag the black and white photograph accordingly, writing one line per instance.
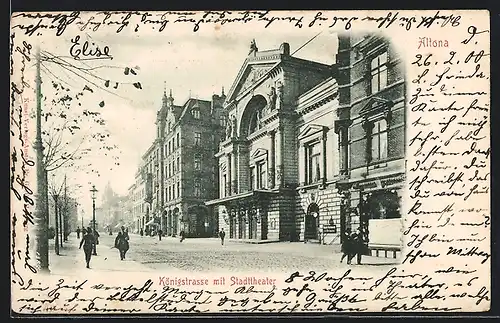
(224, 153)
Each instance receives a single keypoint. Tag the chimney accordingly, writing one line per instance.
(285, 49)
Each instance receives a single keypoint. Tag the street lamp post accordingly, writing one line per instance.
(93, 191)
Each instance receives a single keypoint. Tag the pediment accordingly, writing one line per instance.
(312, 129)
(376, 105)
(259, 152)
(248, 75)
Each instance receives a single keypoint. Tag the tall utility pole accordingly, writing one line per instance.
(41, 218)
(65, 216)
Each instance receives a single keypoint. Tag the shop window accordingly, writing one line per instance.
(383, 205)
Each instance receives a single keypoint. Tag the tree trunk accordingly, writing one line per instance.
(56, 237)
(42, 206)
(60, 225)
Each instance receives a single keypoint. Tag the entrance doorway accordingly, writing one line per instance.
(252, 223)
(312, 222)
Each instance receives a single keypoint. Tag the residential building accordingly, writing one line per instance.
(190, 133)
(372, 124)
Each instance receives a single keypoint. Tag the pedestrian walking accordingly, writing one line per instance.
(78, 233)
(87, 242)
(183, 235)
(347, 247)
(359, 244)
(122, 243)
(222, 235)
(142, 233)
(96, 236)
(160, 233)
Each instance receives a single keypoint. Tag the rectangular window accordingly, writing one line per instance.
(178, 189)
(197, 138)
(224, 186)
(178, 163)
(178, 140)
(379, 140)
(196, 113)
(378, 72)
(252, 178)
(173, 191)
(197, 162)
(261, 175)
(313, 163)
(223, 121)
(169, 148)
(197, 188)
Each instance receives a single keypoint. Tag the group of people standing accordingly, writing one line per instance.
(355, 244)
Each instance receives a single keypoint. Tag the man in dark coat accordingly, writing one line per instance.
(87, 242)
(121, 243)
(222, 235)
(359, 244)
(347, 247)
(78, 233)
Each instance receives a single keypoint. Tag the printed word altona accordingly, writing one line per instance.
(250, 280)
(429, 42)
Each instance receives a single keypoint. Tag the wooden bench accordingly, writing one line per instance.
(385, 248)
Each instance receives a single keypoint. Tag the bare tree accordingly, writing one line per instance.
(72, 127)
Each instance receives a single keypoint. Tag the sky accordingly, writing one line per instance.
(199, 64)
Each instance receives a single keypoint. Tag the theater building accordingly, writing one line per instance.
(258, 157)
(310, 149)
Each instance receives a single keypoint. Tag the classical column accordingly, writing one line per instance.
(229, 176)
(323, 155)
(279, 168)
(234, 169)
(306, 166)
(272, 160)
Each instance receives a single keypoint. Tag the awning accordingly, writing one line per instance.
(151, 222)
(230, 198)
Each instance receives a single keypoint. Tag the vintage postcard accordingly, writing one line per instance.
(265, 162)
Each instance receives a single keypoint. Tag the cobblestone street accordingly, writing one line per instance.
(208, 255)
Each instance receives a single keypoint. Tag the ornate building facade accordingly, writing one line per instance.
(305, 142)
(372, 124)
(179, 169)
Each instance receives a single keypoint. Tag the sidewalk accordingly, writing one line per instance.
(71, 260)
